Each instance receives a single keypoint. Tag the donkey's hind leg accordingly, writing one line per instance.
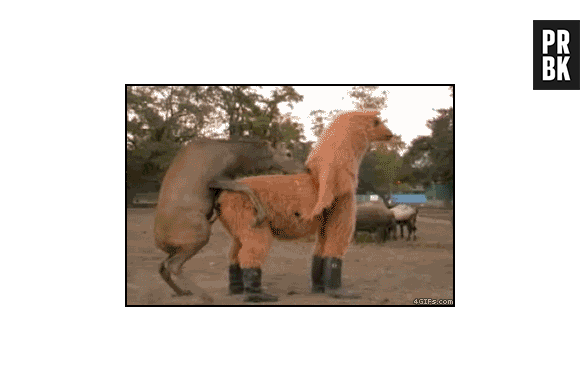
(190, 241)
(181, 286)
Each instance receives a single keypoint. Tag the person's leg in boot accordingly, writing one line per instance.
(236, 285)
(332, 276)
(317, 268)
(317, 259)
(252, 255)
(253, 286)
(338, 230)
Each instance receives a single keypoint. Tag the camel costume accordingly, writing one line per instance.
(321, 201)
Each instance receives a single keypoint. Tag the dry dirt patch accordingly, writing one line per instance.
(385, 274)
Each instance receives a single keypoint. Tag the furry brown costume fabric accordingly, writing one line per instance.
(335, 159)
(321, 201)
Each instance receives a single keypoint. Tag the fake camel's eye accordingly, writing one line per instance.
(377, 122)
(288, 154)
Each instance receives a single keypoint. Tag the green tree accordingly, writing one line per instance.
(160, 119)
(245, 112)
(321, 119)
(365, 98)
(155, 113)
(430, 158)
(441, 151)
(238, 107)
(378, 172)
(301, 150)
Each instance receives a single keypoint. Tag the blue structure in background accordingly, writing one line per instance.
(435, 193)
(397, 198)
(408, 199)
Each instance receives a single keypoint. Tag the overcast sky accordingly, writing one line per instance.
(408, 108)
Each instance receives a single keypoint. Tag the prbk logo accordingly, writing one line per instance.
(556, 54)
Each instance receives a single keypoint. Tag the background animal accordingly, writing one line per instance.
(321, 201)
(375, 217)
(406, 215)
(188, 191)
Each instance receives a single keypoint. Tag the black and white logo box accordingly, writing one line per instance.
(556, 54)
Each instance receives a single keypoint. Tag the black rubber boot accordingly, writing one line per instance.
(253, 286)
(317, 269)
(236, 280)
(331, 276)
(332, 272)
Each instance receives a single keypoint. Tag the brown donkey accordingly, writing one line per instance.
(321, 201)
(186, 200)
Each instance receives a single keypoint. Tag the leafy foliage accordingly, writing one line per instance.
(301, 150)
(430, 158)
(378, 171)
(160, 119)
(321, 119)
(365, 97)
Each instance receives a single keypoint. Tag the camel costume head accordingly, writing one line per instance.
(335, 159)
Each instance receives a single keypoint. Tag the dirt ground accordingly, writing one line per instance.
(393, 273)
